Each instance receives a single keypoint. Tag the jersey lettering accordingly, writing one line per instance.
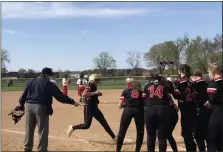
(134, 94)
(158, 92)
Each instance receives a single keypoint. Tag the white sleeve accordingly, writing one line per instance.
(63, 81)
(85, 82)
(78, 81)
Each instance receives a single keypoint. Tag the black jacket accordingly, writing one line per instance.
(41, 91)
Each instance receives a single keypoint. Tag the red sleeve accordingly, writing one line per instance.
(212, 92)
(143, 95)
(122, 98)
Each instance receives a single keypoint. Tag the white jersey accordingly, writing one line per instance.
(64, 82)
(82, 82)
(129, 80)
(54, 81)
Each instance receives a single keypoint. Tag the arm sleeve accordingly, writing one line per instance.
(177, 92)
(22, 99)
(212, 92)
(122, 98)
(77, 81)
(59, 96)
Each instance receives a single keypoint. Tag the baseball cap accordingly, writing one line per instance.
(47, 71)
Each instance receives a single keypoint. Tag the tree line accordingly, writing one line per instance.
(196, 52)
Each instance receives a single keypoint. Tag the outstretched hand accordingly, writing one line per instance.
(77, 104)
(99, 93)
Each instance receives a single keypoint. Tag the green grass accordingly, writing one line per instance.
(21, 88)
(19, 85)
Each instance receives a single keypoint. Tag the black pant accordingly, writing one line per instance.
(201, 127)
(127, 115)
(215, 130)
(173, 122)
(188, 120)
(157, 117)
(91, 111)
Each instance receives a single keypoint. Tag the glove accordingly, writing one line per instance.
(17, 113)
(18, 108)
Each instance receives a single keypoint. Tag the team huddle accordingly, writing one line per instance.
(156, 107)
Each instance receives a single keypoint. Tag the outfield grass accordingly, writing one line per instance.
(19, 85)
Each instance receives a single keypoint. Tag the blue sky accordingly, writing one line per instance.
(68, 35)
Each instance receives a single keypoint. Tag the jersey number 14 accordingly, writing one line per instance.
(158, 92)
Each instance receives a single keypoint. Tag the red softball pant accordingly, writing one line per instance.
(80, 91)
(64, 88)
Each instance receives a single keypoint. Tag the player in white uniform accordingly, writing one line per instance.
(81, 85)
(65, 83)
(128, 82)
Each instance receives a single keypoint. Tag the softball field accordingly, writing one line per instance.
(93, 139)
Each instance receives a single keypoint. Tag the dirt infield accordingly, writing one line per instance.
(94, 139)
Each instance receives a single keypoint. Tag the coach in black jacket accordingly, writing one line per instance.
(38, 96)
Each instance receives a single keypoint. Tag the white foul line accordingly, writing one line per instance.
(53, 137)
(76, 140)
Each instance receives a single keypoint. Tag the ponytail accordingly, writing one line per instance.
(186, 69)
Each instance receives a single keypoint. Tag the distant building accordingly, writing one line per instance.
(75, 76)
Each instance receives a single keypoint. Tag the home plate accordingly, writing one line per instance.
(105, 101)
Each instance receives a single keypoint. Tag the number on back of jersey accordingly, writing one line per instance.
(158, 92)
(134, 94)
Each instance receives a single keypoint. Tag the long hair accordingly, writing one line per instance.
(186, 69)
(215, 68)
(136, 85)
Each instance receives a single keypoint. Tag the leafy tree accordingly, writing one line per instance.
(182, 43)
(202, 51)
(4, 59)
(134, 59)
(103, 62)
(30, 71)
(22, 70)
(158, 52)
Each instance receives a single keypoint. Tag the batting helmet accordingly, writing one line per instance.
(94, 77)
